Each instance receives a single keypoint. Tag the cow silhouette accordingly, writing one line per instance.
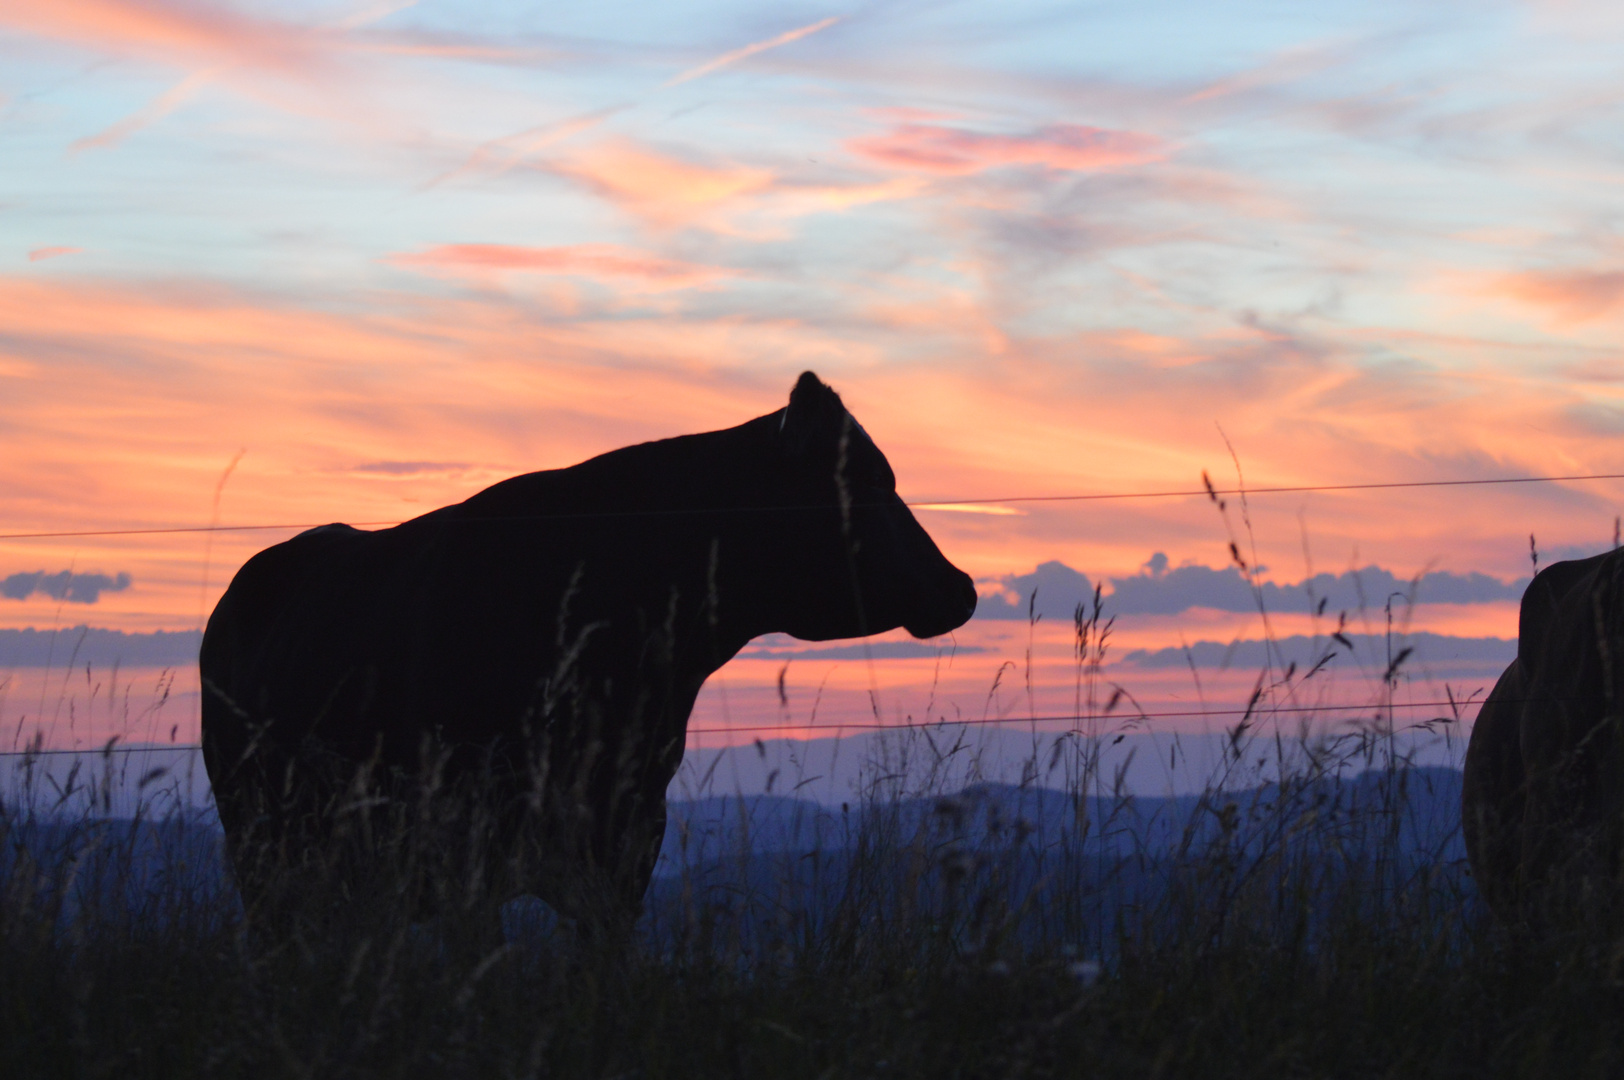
(517, 670)
(1542, 804)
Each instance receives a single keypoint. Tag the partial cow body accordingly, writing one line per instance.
(1543, 795)
(538, 648)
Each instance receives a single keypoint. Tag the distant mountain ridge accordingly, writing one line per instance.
(757, 864)
(1426, 809)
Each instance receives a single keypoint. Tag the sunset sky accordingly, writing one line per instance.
(382, 255)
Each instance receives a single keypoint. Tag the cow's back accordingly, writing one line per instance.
(448, 624)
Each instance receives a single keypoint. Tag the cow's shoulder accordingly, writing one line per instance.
(309, 547)
(1550, 609)
(266, 588)
(279, 572)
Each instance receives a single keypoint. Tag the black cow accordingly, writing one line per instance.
(1542, 804)
(534, 652)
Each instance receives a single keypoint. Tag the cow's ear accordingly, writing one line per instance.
(813, 417)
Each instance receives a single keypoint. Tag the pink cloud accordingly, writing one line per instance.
(908, 114)
(954, 151)
(1572, 295)
(41, 254)
(599, 261)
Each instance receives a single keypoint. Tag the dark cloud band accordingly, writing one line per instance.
(66, 585)
(1439, 655)
(1159, 590)
(91, 645)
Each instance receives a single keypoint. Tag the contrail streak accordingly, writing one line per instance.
(157, 109)
(506, 152)
(750, 50)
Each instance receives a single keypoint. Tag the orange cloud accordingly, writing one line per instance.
(664, 190)
(955, 151)
(41, 254)
(123, 403)
(174, 31)
(739, 200)
(1572, 295)
(600, 261)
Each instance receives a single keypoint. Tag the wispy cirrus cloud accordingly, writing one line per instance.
(936, 148)
(603, 262)
(663, 189)
(41, 254)
(1570, 296)
(313, 67)
(668, 189)
(500, 154)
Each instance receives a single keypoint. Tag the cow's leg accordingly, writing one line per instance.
(565, 860)
(313, 851)
(600, 887)
(486, 860)
(280, 891)
(255, 844)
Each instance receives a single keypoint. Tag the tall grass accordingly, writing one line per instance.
(1308, 918)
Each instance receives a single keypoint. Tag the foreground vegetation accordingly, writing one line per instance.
(1303, 927)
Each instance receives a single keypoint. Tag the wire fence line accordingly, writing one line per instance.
(923, 504)
(1207, 490)
(838, 728)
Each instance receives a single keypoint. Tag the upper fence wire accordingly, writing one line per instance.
(1207, 490)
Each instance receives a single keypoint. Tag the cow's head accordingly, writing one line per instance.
(858, 562)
